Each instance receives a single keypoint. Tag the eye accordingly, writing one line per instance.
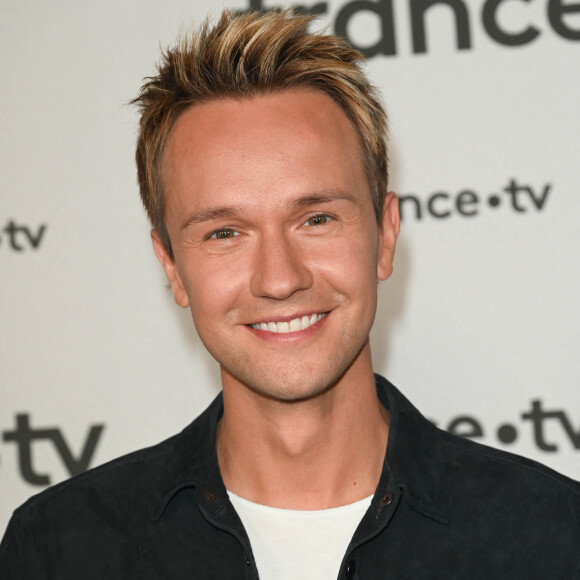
(224, 234)
(317, 220)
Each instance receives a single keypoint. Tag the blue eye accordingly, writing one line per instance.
(317, 220)
(224, 234)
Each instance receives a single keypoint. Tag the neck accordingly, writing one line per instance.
(310, 454)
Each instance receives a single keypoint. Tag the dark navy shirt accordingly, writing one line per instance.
(444, 508)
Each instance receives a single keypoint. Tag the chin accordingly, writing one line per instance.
(292, 379)
(292, 386)
(289, 393)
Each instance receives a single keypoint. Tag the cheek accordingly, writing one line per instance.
(213, 288)
(351, 267)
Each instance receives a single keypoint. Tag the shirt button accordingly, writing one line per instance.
(386, 500)
(350, 568)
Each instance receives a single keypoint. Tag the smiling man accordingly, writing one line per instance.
(262, 165)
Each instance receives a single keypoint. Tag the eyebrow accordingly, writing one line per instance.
(323, 197)
(211, 213)
(230, 211)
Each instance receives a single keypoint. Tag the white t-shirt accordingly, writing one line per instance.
(291, 544)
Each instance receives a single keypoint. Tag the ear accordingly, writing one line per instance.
(389, 230)
(168, 263)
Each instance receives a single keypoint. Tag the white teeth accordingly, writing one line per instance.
(294, 325)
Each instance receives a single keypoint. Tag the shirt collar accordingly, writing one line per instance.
(194, 461)
(415, 455)
(414, 461)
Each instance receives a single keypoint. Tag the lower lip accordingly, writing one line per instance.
(287, 337)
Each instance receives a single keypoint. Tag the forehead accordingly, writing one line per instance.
(296, 140)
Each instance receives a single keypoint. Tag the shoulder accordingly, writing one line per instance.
(420, 448)
(133, 483)
(126, 488)
(116, 485)
(104, 516)
(515, 501)
(66, 516)
(469, 459)
(484, 496)
(107, 522)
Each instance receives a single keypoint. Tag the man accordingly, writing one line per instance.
(262, 165)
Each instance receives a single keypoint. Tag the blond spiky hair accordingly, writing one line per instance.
(247, 55)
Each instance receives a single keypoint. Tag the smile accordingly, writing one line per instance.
(293, 325)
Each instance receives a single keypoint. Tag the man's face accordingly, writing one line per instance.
(276, 245)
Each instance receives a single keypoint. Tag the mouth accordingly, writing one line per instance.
(294, 325)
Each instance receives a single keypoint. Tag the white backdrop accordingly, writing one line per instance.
(479, 324)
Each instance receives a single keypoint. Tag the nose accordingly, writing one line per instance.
(280, 267)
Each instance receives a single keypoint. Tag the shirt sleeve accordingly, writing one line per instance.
(13, 562)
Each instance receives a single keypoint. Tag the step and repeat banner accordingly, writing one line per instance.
(480, 323)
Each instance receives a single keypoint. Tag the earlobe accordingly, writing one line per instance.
(168, 263)
(390, 227)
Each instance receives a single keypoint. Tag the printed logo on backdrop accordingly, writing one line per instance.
(521, 198)
(561, 18)
(19, 237)
(24, 436)
(537, 417)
